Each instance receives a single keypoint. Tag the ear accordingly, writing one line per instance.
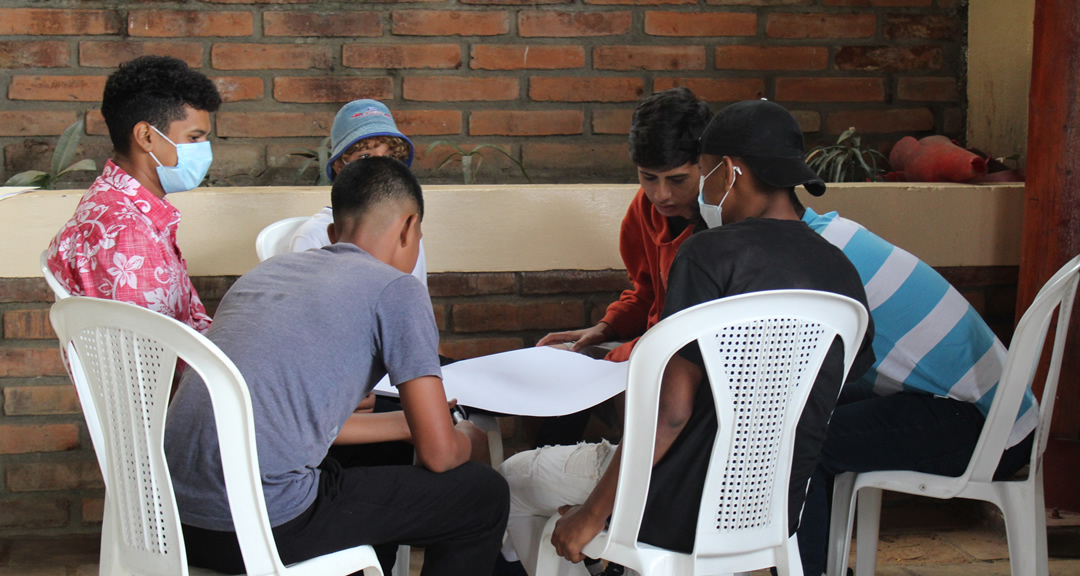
(407, 226)
(140, 136)
(332, 232)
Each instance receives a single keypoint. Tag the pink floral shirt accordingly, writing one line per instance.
(121, 245)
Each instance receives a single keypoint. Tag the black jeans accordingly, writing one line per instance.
(905, 431)
(458, 516)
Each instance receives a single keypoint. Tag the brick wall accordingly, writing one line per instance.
(552, 81)
(49, 479)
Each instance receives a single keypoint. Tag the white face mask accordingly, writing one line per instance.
(709, 213)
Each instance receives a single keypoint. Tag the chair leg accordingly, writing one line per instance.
(401, 565)
(490, 425)
(841, 520)
(788, 561)
(1025, 527)
(866, 539)
(547, 562)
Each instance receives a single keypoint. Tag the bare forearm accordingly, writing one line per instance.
(368, 428)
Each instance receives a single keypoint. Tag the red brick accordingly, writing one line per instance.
(464, 348)
(33, 513)
(59, 88)
(238, 88)
(525, 123)
(446, 56)
(270, 56)
(508, 317)
(42, 476)
(649, 58)
(428, 122)
(701, 24)
(881, 121)
(308, 89)
(784, 25)
(639, 2)
(440, 316)
(232, 160)
(580, 160)
(574, 281)
(716, 89)
(612, 121)
(24, 439)
(451, 284)
(93, 510)
(112, 54)
(933, 89)
(273, 124)
(515, 2)
(829, 89)
(889, 58)
(772, 57)
(186, 24)
(34, 54)
(926, 26)
(759, 2)
(40, 400)
(953, 124)
(873, 3)
(25, 289)
(352, 24)
(525, 57)
(30, 362)
(457, 89)
(450, 23)
(573, 89)
(809, 121)
(58, 22)
(573, 24)
(95, 123)
(260, 1)
(28, 324)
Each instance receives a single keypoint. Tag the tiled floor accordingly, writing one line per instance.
(919, 538)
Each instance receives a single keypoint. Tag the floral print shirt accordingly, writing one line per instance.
(121, 245)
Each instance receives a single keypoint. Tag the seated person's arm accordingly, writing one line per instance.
(369, 427)
(440, 445)
(579, 525)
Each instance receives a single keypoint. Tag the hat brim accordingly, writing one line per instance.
(786, 173)
(359, 135)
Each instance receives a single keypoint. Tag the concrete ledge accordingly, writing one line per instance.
(536, 227)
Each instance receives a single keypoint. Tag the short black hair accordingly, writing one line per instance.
(666, 127)
(153, 89)
(363, 184)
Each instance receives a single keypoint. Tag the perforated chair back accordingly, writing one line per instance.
(274, 239)
(762, 352)
(58, 289)
(124, 356)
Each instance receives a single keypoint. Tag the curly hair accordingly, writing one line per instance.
(153, 89)
(665, 129)
(399, 149)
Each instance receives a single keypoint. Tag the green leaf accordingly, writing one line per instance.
(86, 164)
(66, 145)
(28, 178)
(303, 153)
(303, 168)
(847, 134)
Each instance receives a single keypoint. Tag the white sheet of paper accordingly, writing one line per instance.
(530, 382)
(9, 191)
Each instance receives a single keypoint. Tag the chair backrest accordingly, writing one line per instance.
(1019, 372)
(124, 356)
(58, 289)
(274, 239)
(762, 352)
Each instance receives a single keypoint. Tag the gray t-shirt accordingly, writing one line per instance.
(312, 333)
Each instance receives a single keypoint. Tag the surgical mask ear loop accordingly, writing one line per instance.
(167, 140)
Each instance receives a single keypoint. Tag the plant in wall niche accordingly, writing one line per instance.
(61, 161)
(470, 166)
(847, 160)
(322, 155)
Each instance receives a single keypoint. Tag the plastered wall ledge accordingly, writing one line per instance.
(488, 228)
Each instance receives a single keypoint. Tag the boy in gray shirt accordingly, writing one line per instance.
(312, 332)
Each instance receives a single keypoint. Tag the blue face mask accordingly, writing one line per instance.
(192, 162)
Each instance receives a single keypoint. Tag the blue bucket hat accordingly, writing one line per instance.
(358, 120)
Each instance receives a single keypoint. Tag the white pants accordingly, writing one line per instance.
(540, 482)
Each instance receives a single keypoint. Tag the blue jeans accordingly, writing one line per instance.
(905, 431)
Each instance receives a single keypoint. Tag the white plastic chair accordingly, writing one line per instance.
(125, 356)
(786, 333)
(1021, 501)
(58, 289)
(274, 239)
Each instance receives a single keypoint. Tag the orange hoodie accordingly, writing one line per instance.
(647, 250)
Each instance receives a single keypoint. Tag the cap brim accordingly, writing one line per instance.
(357, 136)
(786, 173)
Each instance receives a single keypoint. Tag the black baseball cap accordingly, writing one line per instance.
(768, 138)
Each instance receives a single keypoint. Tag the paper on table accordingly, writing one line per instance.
(9, 191)
(530, 382)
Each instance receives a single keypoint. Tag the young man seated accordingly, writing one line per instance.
(121, 242)
(361, 129)
(312, 333)
(751, 162)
